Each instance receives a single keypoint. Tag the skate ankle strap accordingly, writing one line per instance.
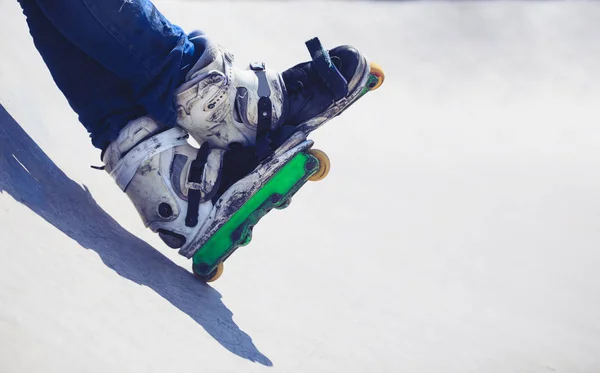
(331, 76)
(203, 181)
(264, 105)
(127, 166)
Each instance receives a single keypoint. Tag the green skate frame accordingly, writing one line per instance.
(276, 193)
(373, 79)
(238, 230)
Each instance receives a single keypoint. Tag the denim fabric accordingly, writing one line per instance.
(114, 60)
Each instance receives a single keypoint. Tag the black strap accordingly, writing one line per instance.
(331, 76)
(265, 115)
(195, 176)
(264, 126)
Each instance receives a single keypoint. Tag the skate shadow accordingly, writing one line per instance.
(30, 177)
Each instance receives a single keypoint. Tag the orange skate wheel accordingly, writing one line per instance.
(324, 164)
(213, 276)
(216, 273)
(378, 72)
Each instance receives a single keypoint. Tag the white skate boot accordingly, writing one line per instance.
(170, 183)
(223, 104)
(204, 201)
(219, 102)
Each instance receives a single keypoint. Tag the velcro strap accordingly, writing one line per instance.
(127, 166)
(331, 76)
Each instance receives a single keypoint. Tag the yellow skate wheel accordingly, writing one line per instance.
(216, 273)
(378, 72)
(324, 164)
(213, 276)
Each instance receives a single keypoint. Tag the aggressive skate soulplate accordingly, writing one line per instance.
(238, 230)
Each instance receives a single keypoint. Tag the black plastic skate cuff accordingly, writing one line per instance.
(331, 76)
(195, 176)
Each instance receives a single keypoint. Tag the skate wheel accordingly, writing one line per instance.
(377, 71)
(324, 164)
(213, 276)
(216, 273)
(284, 204)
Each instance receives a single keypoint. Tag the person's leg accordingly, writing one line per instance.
(150, 162)
(104, 102)
(132, 39)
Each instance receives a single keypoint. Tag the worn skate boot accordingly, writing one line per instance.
(223, 104)
(204, 201)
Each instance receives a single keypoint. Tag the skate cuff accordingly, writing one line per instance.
(331, 76)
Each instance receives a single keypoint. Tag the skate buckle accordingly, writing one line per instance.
(228, 55)
(257, 66)
(196, 186)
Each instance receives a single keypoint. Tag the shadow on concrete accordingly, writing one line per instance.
(30, 177)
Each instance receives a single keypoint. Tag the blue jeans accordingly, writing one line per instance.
(114, 60)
